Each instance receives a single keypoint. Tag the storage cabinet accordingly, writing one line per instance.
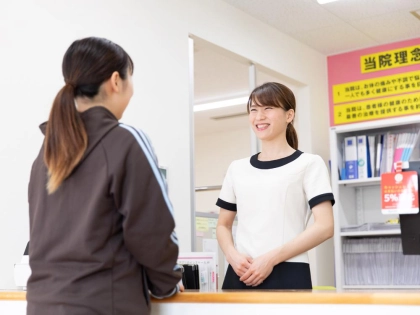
(358, 216)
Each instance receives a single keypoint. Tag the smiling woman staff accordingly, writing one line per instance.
(101, 224)
(274, 193)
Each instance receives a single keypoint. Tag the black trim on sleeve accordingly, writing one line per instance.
(321, 198)
(226, 205)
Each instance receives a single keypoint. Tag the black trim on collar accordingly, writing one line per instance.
(265, 165)
(321, 198)
(226, 205)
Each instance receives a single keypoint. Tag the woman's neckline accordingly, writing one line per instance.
(274, 163)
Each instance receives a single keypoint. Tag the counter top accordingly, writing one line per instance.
(12, 295)
(277, 297)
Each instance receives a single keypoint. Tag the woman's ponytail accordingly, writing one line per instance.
(291, 136)
(87, 63)
(65, 139)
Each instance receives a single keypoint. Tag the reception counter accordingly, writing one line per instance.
(264, 302)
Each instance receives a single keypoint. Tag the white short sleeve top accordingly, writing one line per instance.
(273, 199)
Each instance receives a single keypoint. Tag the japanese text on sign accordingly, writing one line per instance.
(378, 108)
(378, 87)
(390, 59)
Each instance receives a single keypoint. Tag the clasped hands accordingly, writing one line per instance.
(251, 271)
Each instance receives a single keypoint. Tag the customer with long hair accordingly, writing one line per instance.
(101, 223)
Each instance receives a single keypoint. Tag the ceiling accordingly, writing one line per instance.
(331, 28)
(338, 26)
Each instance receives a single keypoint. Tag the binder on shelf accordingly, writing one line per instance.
(372, 154)
(350, 152)
(415, 141)
(342, 163)
(389, 145)
(379, 140)
(408, 149)
(184, 277)
(200, 270)
(196, 270)
(404, 147)
(399, 149)
(191, 277)
(383, 158)
(363, 167)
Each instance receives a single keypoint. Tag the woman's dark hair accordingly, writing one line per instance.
(87, 63)
(276, 95)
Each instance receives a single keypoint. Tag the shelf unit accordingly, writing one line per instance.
(360, 182)
(371, 233)
(358, 200)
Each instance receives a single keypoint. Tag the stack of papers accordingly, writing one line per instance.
(379, 261)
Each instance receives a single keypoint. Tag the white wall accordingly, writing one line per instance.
(213, 154)
(34, 35)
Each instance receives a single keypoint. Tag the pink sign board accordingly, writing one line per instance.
(374, 83)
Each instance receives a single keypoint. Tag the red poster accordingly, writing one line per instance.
(400, 193)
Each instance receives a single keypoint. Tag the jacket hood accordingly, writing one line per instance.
(98, 122)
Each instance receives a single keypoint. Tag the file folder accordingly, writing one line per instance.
(192, 280)
(350, 148)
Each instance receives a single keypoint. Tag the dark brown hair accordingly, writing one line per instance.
(87, 63)
(276, 95)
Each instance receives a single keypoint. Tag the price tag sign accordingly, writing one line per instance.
(400, 193)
